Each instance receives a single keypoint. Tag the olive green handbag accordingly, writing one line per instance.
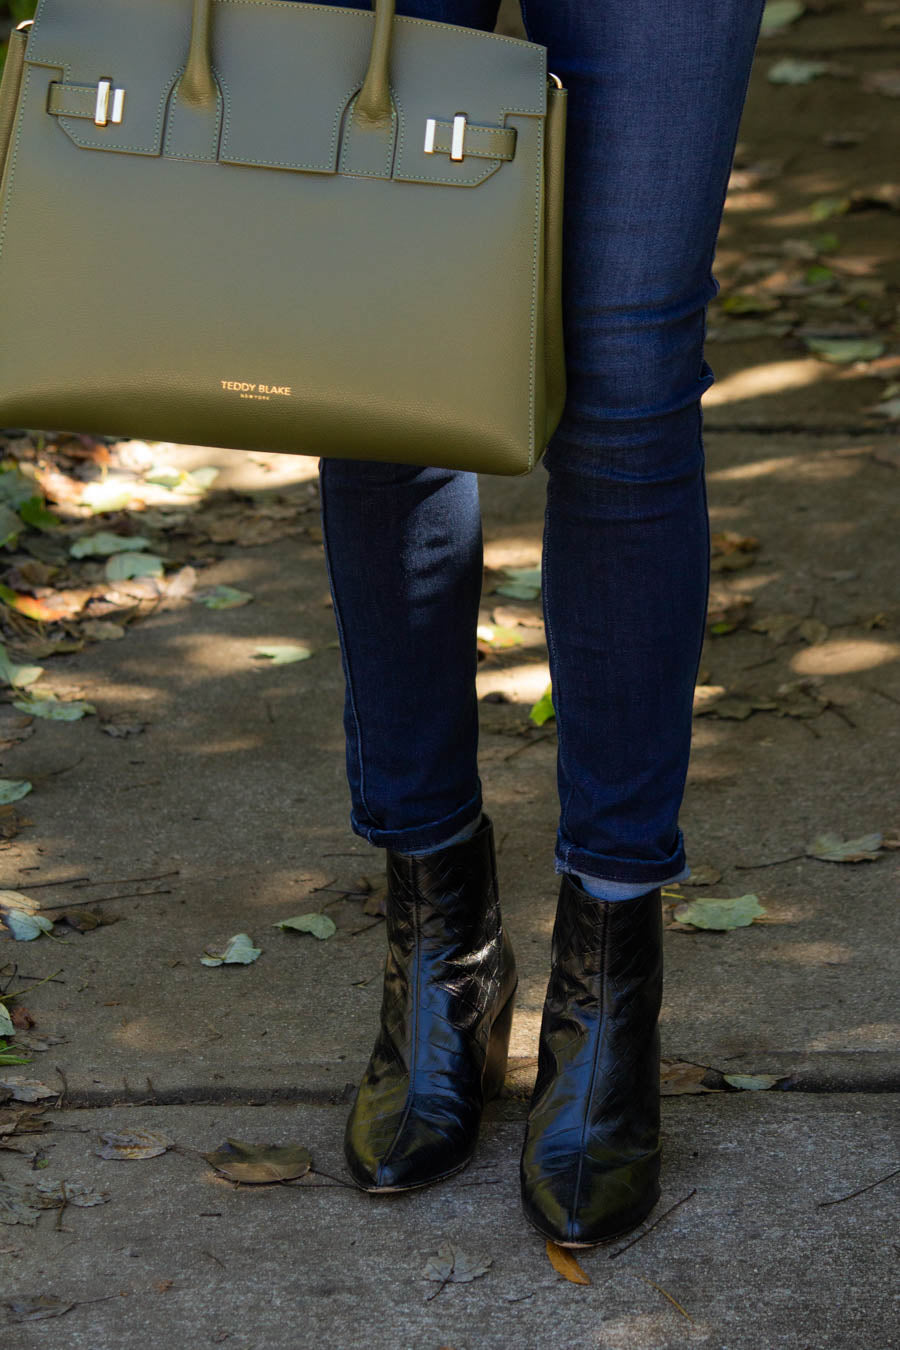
(281, 226)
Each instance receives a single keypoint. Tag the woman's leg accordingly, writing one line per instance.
(405, 561)
(404, 552)
(655, 99)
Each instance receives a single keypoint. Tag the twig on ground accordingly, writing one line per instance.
(673, 1301)
(102, 899)
(822, 1203)
(670, 1210)
(536, 740)
(839, 712)
(892, 698)
(775, 862)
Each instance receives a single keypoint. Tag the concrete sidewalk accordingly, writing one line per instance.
(233, 799)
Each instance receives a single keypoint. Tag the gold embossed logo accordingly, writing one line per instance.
(265, 392)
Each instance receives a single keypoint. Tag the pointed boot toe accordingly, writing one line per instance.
(441, 1050)
(590, 1162)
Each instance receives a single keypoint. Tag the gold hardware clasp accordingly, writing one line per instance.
(102, 113)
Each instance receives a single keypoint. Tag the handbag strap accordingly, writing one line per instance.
(373, 106)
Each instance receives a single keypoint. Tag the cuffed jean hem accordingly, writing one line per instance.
(420, 836)
(570, 858)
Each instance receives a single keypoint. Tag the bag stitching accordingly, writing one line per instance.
(368, 173)
(13, 158)
(220, 109)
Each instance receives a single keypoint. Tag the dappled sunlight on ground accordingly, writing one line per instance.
(840, 656)
(771, 377)
(521, 684)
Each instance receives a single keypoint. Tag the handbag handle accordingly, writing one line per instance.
(373, 105)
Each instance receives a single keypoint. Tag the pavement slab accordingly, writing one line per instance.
(229, 812)
(234, 799)
(753, 1257)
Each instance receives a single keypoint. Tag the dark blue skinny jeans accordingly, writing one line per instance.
(656, 93)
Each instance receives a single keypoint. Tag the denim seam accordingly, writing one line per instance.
(345, 657)
(554, 664)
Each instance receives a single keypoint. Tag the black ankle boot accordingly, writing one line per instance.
(449, 983)
(590, 1165)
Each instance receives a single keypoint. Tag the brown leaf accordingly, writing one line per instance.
(36, 1306)
(123, 724)
(132, 1144)
(10, 820)
(22, 1017)
(257, 1164)
(86, 920)
(564, 1263)
(678, 1078)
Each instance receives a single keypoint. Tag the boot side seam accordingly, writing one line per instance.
(601, 1025)
(414, 999)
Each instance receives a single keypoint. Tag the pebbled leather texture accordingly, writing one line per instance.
(449, 981)
(256, 257)
(590, 1163)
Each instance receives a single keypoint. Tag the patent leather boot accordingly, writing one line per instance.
(590, 1164)
(449, 983)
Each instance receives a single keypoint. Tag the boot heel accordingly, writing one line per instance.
(498, 1049)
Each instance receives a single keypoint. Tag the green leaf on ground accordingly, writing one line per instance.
(518, 590)
(223, 597)
(34, 513)
(259, 1164)
(18, 676)
(830, 847)
(182, 480)
(10, 1058)
(27, 927)
(318, 924)
(823, 208)
(125, 566)
(284, 654)
(778, 14)
(15, 488)
(496, 635)
(239, 950)
(6, 1022)
(720, 914)
(794, 70)
(54, 709)
(543, 710)
(12, 789)
(105, 543)
(844, 350)
(751, 1082)
(10, 526)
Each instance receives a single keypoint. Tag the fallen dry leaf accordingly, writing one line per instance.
(564, 1263)
(678, 1078)
(131, 1145)
(830, 847)
(259, 1164)
(27, 1089)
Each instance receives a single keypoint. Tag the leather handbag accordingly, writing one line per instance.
(280, 226)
